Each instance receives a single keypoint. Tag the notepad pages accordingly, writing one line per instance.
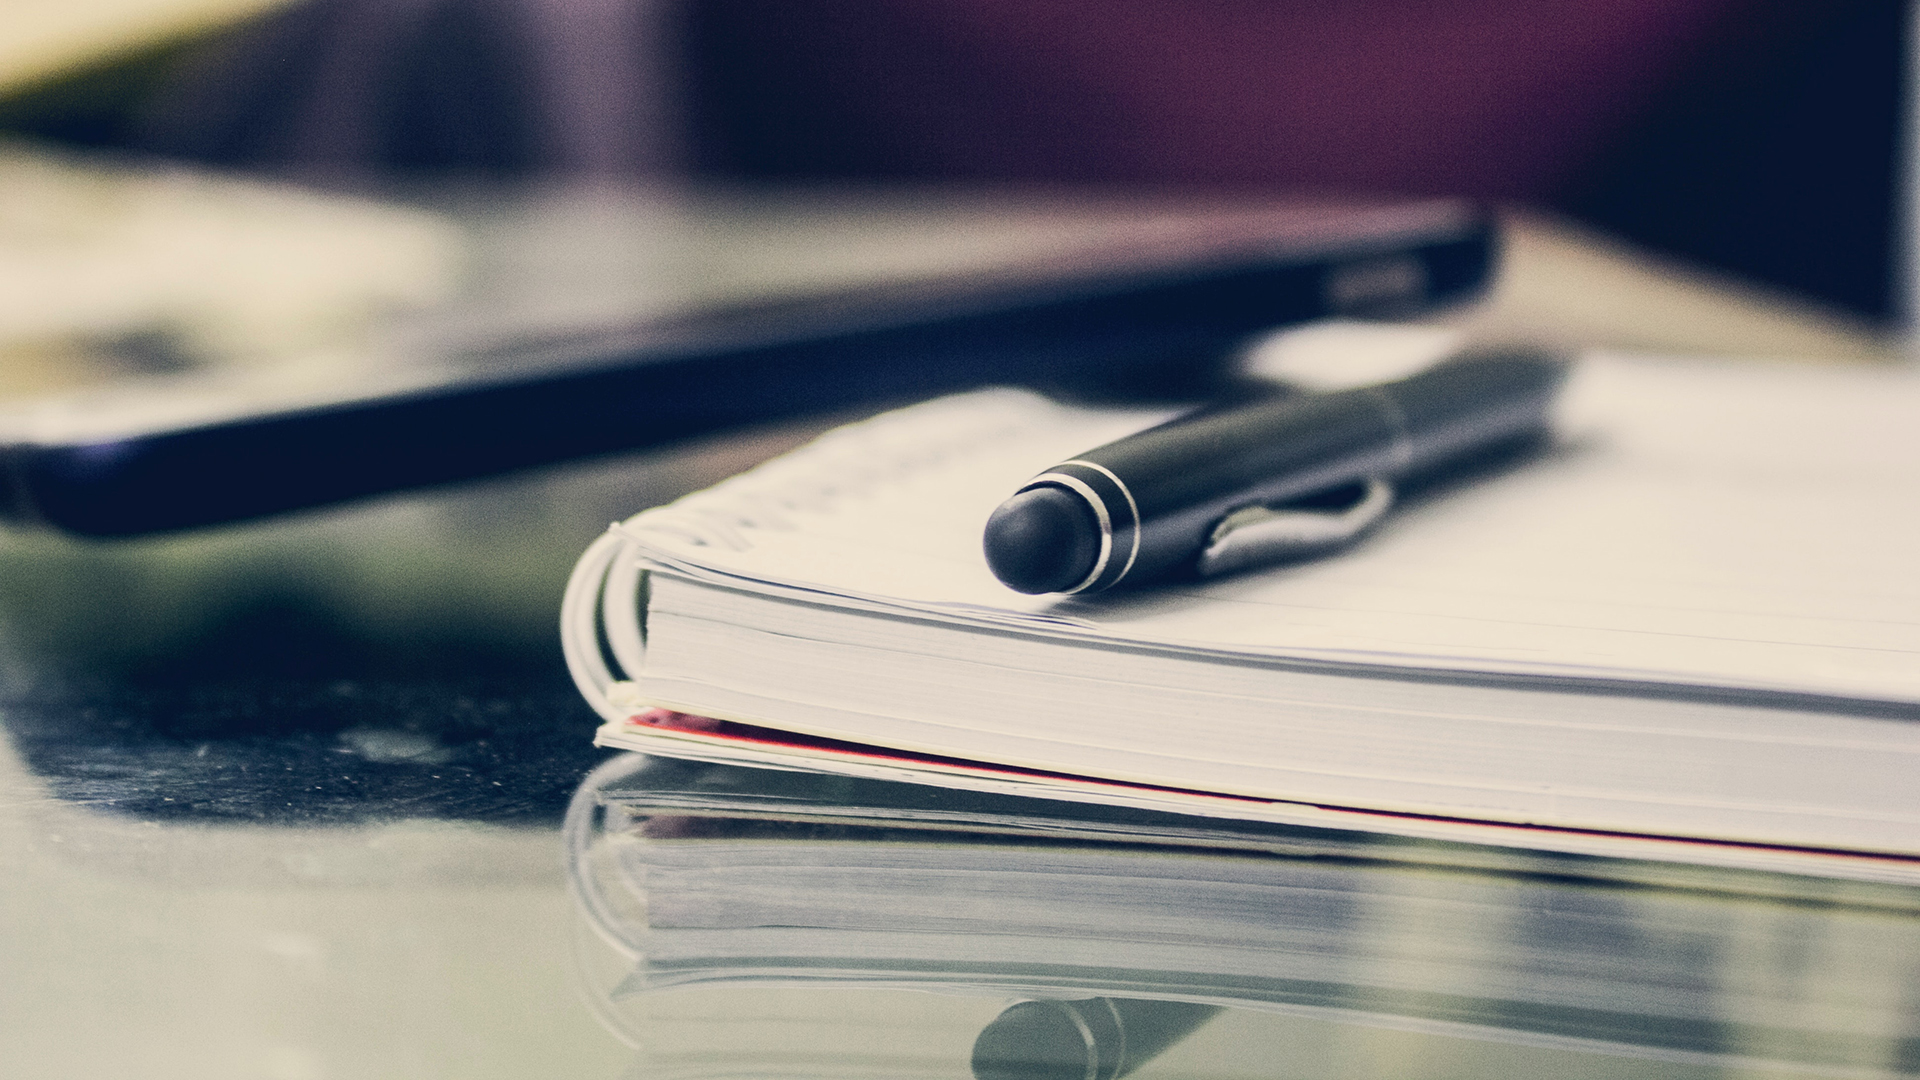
(1694, 617)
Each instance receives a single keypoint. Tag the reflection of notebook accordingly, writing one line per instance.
(710, 875)
(1695, 618)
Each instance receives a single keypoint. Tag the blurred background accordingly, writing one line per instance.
(1758, 137)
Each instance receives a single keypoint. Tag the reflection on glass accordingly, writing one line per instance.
(741, 896)
(1102, 1038)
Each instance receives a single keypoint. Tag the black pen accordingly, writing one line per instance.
(1284, 475)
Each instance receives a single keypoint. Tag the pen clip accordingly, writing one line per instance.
(1253, 535)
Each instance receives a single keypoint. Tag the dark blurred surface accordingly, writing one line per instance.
(1757, 136)
(283, 716)
(251, 698)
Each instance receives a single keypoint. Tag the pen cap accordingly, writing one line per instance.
(1044, 539)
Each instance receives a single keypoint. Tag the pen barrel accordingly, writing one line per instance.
(1475, 401)
(1183, 477)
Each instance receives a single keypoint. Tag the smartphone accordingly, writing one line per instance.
(725, 312)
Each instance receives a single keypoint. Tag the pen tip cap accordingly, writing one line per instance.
(1044, 539)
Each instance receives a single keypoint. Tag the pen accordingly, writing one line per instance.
(1100, 1038)
(1284, 475)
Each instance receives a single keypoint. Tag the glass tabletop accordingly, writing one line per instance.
(283, 800)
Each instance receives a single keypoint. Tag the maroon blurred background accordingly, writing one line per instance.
(1514, 100)
(1756, 135)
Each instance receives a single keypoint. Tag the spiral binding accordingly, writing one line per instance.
(600, 616)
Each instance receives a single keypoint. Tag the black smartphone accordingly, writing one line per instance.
(1114, 297)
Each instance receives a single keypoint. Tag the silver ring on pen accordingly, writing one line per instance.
(1113, 505)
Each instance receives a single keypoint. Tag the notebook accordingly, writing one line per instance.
(713, 876)
(1694, 619)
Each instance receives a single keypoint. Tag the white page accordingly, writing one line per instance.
(1741, 524)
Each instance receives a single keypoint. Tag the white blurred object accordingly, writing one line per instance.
(217, 270)
(1337, 353)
